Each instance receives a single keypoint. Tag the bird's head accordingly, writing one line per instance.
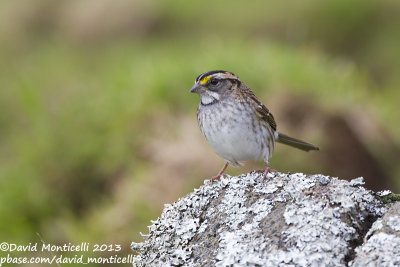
(214, 86)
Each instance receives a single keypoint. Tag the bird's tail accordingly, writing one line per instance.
(290, 141)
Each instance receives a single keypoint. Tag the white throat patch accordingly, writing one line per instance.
(208, 97)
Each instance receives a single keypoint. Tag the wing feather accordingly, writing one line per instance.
(263, 112)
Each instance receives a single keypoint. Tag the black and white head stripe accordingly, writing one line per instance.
(221, 74)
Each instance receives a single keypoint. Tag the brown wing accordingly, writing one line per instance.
(243, 91)
(263, 112)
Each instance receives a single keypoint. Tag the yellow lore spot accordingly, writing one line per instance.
(205, 79)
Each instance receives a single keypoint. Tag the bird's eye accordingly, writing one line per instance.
(214, 81)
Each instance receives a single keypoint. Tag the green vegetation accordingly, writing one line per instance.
(78, 110)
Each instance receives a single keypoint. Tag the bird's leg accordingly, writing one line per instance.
(266, 170)
(220, 173)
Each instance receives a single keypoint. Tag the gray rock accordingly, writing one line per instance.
(286, 219)
(381, 245)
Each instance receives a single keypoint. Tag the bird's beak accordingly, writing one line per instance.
(197, 88)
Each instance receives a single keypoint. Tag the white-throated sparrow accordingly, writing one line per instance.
(235, 123)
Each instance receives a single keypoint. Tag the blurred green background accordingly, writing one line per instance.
(98, 129)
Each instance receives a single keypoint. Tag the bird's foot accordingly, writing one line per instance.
(215, 178)
(266, 170)
(221, 172)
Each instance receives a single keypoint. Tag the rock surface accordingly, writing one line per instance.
(381, 245)
(286, 219)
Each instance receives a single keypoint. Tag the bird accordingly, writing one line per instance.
(235, 123)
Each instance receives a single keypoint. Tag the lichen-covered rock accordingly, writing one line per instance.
(285, 219)
(382, 243)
